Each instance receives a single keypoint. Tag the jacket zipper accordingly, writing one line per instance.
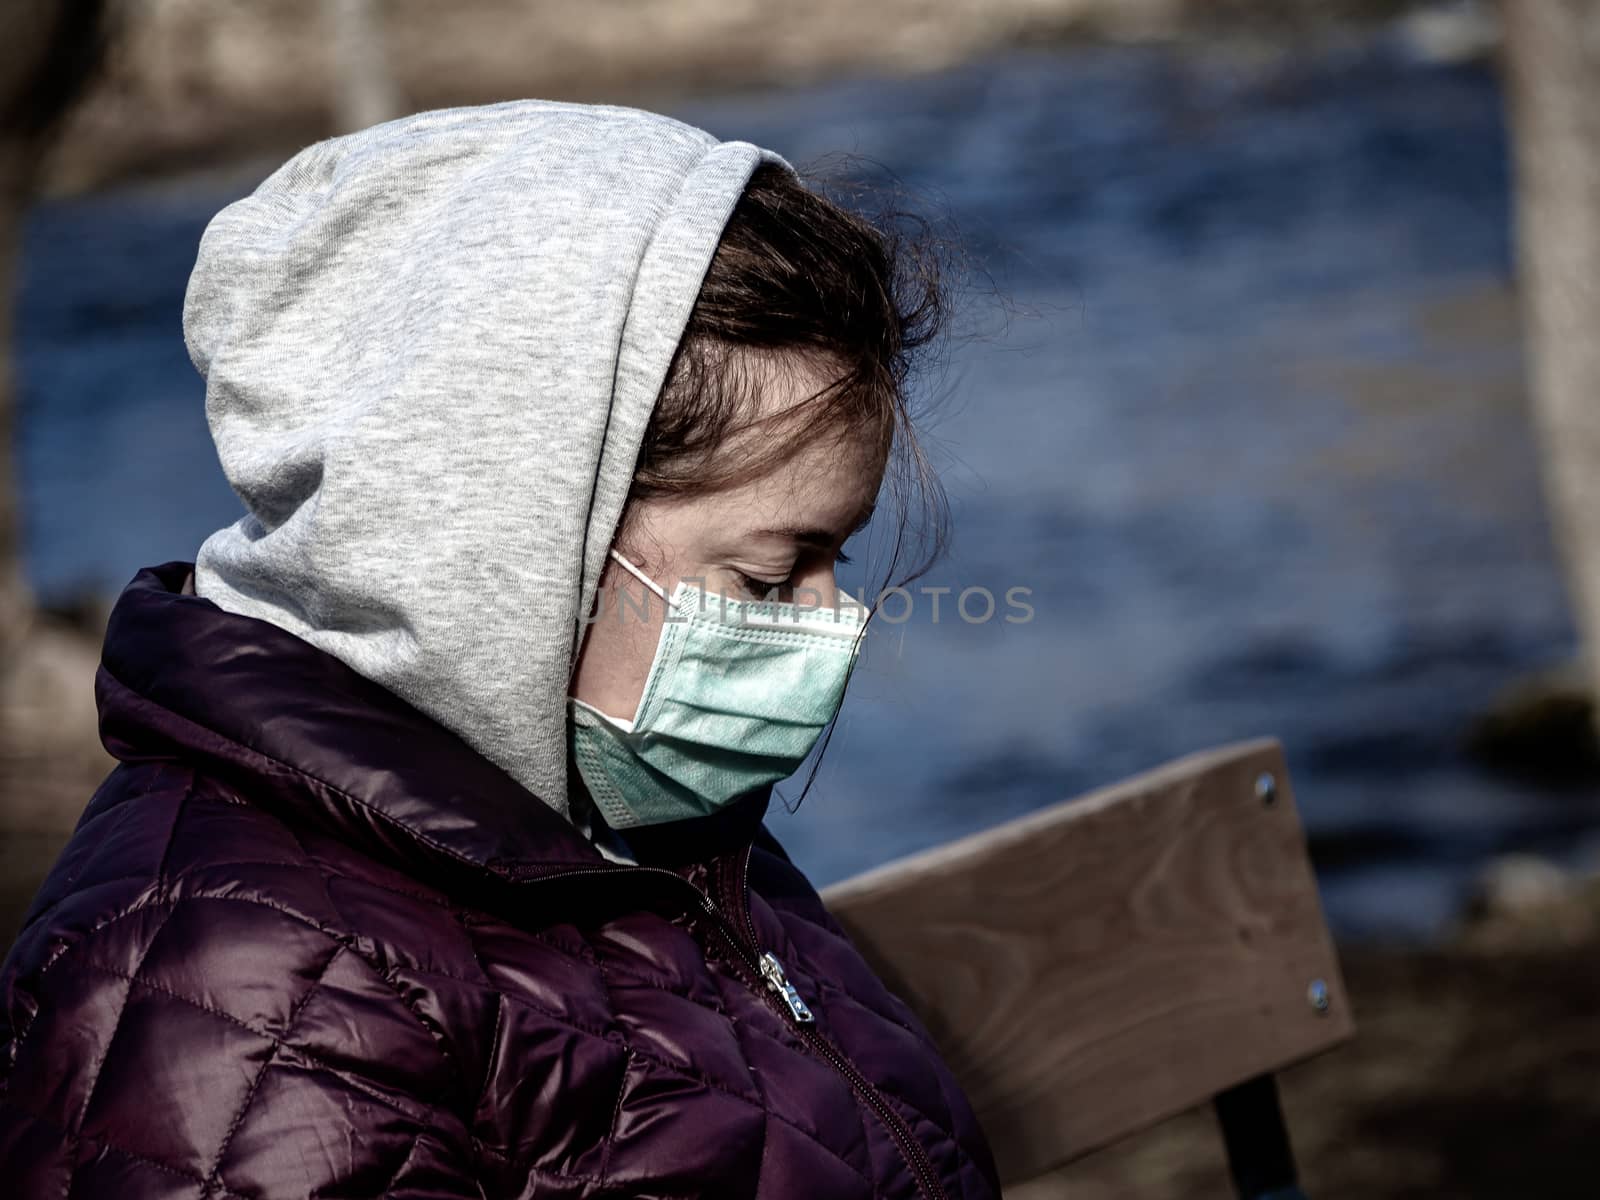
(766, 975)
(772, 971)
(922, 1168)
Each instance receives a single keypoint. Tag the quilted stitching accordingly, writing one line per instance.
(220, 1193)
(647, 1030)
(266, 1063)
(827, 943)
(269, 964)
(111, 1039)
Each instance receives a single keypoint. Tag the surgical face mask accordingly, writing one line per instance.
(737, 695)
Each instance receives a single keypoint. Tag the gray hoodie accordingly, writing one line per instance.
(430, 351)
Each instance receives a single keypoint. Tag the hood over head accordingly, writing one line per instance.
(430, 350)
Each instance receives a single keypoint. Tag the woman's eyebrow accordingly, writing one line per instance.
(792, 533)
(811, 536)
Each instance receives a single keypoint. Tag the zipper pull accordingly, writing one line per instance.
(772, 972)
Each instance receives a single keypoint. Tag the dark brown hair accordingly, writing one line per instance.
(800, 281)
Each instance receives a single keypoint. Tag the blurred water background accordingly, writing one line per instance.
(1254, 437)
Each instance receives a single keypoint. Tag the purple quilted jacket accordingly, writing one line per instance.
(305, 942)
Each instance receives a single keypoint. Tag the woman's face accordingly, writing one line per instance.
(783, 530)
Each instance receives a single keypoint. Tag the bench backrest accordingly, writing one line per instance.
(1102, 964)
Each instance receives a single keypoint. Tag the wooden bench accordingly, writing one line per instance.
(1098, 966)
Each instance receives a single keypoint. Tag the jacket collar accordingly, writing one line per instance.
(298, 731)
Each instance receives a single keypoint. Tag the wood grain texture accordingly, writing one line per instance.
(1095, 967)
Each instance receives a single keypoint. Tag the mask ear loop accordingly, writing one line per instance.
(625, 724)
(640, 576)
(666, 601)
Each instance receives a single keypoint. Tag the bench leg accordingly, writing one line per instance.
(1257, 1141)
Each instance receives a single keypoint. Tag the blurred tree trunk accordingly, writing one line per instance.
(364, 90)
(48, 745)
(1553, 60)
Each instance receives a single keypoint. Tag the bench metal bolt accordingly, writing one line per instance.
(1267, 788)
(1318, 996)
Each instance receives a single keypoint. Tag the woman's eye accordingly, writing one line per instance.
(756, 586)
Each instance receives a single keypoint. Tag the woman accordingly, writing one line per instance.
(433, 865)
